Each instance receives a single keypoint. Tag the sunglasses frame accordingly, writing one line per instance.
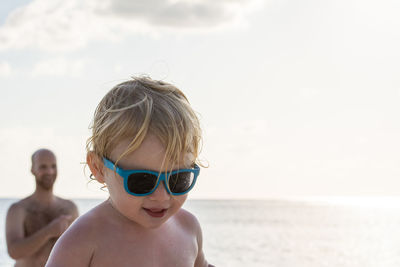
(163, 176)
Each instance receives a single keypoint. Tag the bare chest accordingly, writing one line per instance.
(38, 217)
(169, 250)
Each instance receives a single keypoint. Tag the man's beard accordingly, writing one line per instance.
(46, 184)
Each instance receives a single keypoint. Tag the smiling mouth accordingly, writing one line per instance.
(157, 213)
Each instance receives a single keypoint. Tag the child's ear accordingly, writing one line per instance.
(96, 166)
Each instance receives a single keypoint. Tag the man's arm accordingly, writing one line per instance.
(20, 246)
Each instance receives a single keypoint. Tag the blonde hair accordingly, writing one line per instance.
(139, 106)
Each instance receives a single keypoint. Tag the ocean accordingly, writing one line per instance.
(287, 233)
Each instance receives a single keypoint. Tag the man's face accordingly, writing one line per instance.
(44, 168)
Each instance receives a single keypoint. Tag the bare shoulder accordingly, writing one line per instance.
(82, 228)
(68, 206)
(188, 221)
(20, 206)
(16, 206)
(66, 203)
(16, 209)
(77, 245)
(89, 223)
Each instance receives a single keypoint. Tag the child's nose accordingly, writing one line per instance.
(160, 193)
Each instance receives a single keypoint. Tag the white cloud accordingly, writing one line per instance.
(58, 67)
(177, 14)
(5, 69)
(63, 25)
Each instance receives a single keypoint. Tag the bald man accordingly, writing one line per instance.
(34, 223)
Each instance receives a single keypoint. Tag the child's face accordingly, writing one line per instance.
(149, 211)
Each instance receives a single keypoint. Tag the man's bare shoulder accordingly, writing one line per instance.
(16, 208)
(20, 205)
(67, 206)
(66, 203)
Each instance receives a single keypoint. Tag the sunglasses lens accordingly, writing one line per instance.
(141, 183)
(180, 182)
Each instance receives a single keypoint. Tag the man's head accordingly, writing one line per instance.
(44, 168)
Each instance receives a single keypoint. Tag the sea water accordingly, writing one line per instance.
(281, 233)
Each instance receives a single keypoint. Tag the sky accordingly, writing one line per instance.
(295, 98)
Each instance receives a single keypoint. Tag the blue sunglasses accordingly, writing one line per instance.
(144, 182)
